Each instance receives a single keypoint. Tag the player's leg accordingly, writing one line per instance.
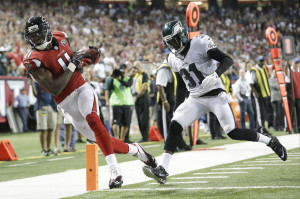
(86, 101)
(185, 115)
(225, 115)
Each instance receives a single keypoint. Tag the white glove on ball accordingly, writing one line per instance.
(210, 80)
(225, 97)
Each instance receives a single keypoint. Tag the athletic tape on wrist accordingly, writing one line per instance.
(71, 67)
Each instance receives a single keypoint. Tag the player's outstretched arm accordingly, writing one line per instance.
(220, 56)
(44, 77)
(225, 63)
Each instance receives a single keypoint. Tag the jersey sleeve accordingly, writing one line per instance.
(32, 64)
(206, 43)
(161, 77)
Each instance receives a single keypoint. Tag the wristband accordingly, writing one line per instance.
(165, 101)
(71, 67)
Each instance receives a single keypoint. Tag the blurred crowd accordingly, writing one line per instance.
(127, 34)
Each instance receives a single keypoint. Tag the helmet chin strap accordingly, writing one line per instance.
(44, 45)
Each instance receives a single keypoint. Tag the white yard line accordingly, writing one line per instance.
(239, 168)
(151, 146)
(261, 161)
(73, 182)
(202, 177)
(65, 158)
(278, 164)
(207, 188)
(16, 165)
(234, 172)
(290, 158)
(186, 182)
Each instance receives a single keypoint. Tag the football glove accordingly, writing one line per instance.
(210, 80)
(225, 97)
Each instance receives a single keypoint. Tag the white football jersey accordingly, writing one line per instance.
(196, 65)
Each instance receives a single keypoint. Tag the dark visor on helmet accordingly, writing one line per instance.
(37, 37)
(175, 42)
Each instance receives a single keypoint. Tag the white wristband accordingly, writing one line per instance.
(71, 67)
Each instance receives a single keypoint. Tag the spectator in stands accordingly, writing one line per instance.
(153, 99)
(142, 100)
(121, 100)
(45, 116)
(242, 92)
(59, 120)
(4, 63)
(67, 132)
(261, 90)
(292, 78)
(22, 105)
(276, 102)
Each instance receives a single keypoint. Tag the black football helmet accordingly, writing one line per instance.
(38, 32)
(175, 36)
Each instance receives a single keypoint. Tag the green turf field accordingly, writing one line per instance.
(275, 180)
(31, 163)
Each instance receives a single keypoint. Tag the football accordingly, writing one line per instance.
(94, 55)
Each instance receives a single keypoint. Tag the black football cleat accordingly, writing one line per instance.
(277, 147)
(144, 156)
(116, 182)
(159, 173)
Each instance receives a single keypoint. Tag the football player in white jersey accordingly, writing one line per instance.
(194, 62)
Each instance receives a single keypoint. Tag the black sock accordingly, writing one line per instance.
(173, 136)
(243, 134)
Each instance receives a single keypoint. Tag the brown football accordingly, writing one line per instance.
(94, 54)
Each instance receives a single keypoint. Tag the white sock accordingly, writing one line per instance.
(111, 160)
(113, 164)
(263, 138)
(166, 160)
(132, 149)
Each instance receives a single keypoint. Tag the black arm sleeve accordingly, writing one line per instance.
(128, 83)
(224, 59)
(180, 91)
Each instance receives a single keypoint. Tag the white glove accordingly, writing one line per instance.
(210, 80)
(225, 97)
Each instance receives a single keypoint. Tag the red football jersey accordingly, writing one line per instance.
(56, 61)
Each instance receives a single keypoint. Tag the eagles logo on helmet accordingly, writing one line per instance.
(38, 32)
(175, 36)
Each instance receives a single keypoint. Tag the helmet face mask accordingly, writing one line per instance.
(38, 32)
(175, 36)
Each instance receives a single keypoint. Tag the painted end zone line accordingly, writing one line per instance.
(204, 188)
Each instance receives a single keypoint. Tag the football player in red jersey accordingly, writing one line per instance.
(55, 67)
